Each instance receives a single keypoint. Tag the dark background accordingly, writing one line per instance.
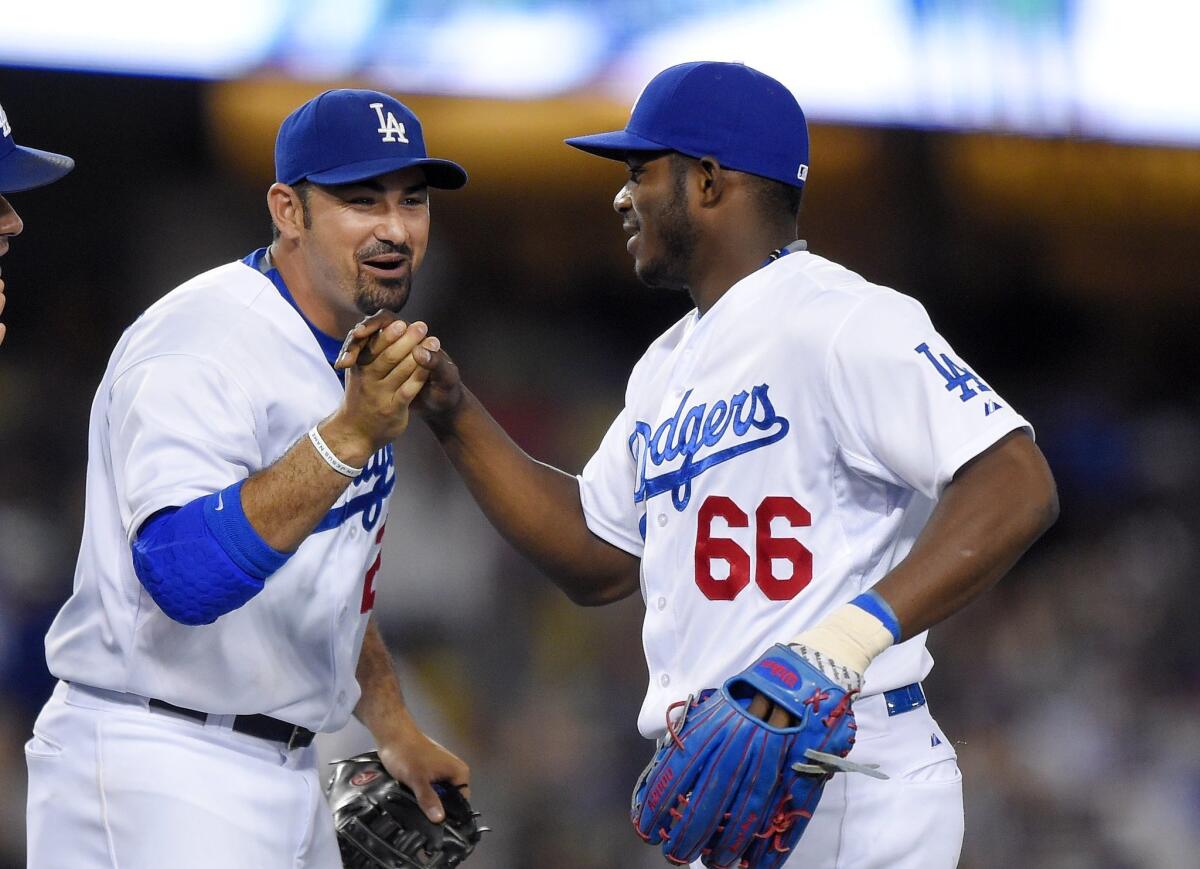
(1065, 272)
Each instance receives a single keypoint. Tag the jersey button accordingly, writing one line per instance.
(664, 680)
(662, 603)
(341, 698)
(353, 530)
(661, 520)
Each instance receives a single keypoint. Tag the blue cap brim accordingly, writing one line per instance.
(443, 174)
(26, 168)
(615, 145)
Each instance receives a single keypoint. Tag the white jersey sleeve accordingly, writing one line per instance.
(181, 427)
(606, 489)
(905, 408)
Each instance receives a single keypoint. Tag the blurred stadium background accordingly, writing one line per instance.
(1028, 169)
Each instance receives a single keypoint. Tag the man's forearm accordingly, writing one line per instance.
(381, 708)
(535, 506)
(997, 506)
(406, 752)
(285, 501)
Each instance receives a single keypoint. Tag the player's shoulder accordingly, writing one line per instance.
(815, 301)
(210, 316)
(824, 291)
(208, 298)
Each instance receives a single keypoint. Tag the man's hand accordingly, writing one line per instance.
(379, 388)
(418, 761)
(443, 386)
(443, 392)
(361, 344)
(379, 821)
(764, 708)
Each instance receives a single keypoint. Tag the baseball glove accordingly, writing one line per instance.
(727, 788)
(380, 824)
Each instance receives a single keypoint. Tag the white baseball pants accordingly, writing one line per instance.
(114, 784)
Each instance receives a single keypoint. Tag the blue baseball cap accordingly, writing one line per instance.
(351, 135)
(744, 118)
(24, 168)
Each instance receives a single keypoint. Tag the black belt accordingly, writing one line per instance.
(262, 726)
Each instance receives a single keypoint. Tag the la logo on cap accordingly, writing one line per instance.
(5, 127)
(389, 128)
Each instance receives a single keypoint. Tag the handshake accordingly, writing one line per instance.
(391, 367)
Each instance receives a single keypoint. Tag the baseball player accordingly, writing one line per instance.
(237, 495)
(21, 169)
(801, 460)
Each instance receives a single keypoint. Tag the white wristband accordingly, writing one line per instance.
(326, 453)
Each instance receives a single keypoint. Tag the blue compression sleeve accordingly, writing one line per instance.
(204, 559)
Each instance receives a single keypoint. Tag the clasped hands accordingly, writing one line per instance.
(392, 367)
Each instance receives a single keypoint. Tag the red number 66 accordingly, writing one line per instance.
(766, 549)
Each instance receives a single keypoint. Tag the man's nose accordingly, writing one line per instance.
(10, 222)
(393, 226)
(623, 201)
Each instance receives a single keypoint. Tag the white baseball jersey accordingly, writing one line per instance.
(215, 382)
(777, 457)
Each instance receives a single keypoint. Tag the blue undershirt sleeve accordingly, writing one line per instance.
(203, 560)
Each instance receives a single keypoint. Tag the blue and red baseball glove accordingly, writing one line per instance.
(729, 789)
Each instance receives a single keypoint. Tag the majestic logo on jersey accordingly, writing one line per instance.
(381, 470)
(389, 128)
(697, 429)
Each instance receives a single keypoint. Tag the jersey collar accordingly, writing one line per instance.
(260, 261)
(796, 246)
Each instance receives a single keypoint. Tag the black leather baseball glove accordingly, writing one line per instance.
(380, 824)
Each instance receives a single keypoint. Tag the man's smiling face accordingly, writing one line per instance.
(364, 241)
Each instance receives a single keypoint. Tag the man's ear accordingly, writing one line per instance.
(712, 179)
(287, 210)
